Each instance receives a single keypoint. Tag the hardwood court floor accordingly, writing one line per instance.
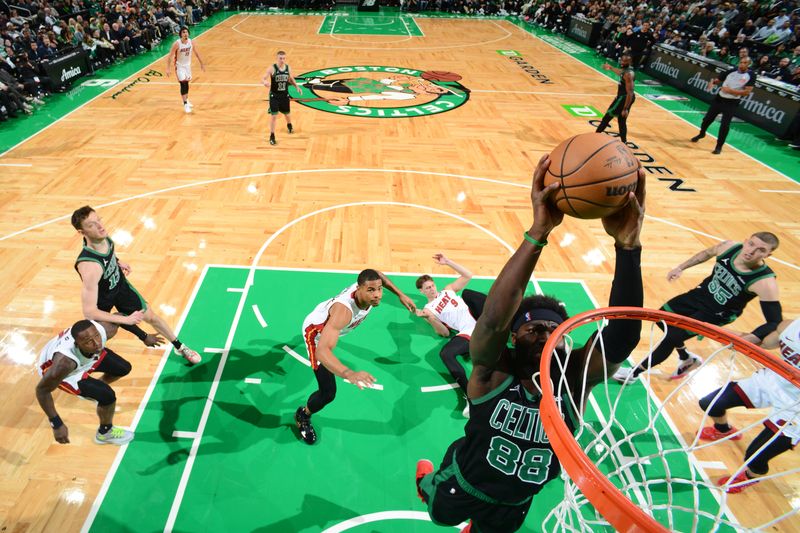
(182, 191)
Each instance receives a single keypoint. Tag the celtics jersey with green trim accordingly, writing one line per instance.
(112, 275)
(726, 289)
(506, 456)
(279, 83)
(622, 89)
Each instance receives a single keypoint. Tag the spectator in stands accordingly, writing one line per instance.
(779, 36)
(782, 71)
(28, 72)
(763, 66)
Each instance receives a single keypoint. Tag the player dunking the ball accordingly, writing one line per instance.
(180, 56)
(277, 81)
(491, 474)
(322, 328)
(621, 106)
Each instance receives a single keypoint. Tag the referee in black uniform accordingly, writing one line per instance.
(736, 84)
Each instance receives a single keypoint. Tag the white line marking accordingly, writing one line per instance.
(297, 356)
(87, 524)
(184, 434)
(712, 465)
(16, 165)
(259, 316)
(378, 517)
(214, 350)
(438, 388)
(235, 289)
(537, 92)
(254, 381)
(644, 97)
(779, 191)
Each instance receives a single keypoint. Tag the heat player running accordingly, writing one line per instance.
(180, 55)
(277, 81)
(446, 311)
(621, 106)
(322, 328)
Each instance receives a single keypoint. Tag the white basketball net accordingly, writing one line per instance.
(669, 472)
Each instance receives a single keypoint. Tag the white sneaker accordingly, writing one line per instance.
(189, 354)
(116, 435)
(686, 366)
(624, 375)
(187, 108)
(465, 412)
(191, 105)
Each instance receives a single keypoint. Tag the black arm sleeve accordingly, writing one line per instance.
(621, 336)
(136, 330)
(774, 315)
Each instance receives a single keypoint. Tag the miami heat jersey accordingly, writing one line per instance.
(789, 343)
(453, 312)
(64, 344)
(347, 298)
(184, 53)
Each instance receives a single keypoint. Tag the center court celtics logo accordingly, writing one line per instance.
(381, 92)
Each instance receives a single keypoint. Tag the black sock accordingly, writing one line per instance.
(683, 354)
(722, 428)
(104, 428)
(177, 344)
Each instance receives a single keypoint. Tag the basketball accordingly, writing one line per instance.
(596, 173)
(440, 75)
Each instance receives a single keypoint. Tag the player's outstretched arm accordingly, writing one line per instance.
(699, 257)
(464, 275)
(767, 291)
(338, 318)
(50, 381)
(407, 302)
(620, 337)
(435, 323)
(491, 332)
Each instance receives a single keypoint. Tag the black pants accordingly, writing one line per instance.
(727, 107)
(326, 391)
(717, 403)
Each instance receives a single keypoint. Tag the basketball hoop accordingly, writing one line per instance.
(606, 488)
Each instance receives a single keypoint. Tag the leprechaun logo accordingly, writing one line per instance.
(381, 92)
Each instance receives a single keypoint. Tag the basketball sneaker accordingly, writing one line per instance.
(742, 478)
(698, 137)
(686, 365)
(272, 139)
(289, 127)
(303, 421)
(191, 105)
(625, 375)
(189, 354)
(424, 467)
(712, 433)
(187, 108)
(115, 435)
(468, 528)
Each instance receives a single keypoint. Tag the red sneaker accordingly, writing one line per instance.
(424, 467)
(712, 433)
(735, 488)
(468, 528)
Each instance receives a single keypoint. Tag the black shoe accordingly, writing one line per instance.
(716, 151)
(289, 126)
(304, 426)
(272, 140)
(698, 137)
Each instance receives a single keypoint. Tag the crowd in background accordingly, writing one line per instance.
(766, 31)
(37, 31)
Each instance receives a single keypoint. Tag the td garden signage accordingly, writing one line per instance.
(380, 91)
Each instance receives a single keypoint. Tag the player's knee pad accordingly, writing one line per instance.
(98, 390)
(184, 87)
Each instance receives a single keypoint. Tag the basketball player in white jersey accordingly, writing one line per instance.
(321, 331)
(763, 389)
(446, 311)
(66, 363)
(180, 55)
